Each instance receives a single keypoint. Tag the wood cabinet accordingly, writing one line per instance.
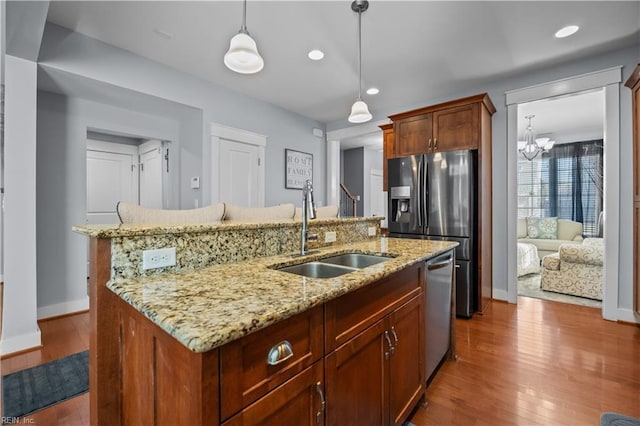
(435, 129)
(258, 363)
(387, 151)
(634, 84)
(459, 124)
(387, 338)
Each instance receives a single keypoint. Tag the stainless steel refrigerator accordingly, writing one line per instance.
(433, 196)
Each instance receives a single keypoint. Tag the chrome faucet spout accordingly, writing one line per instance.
(308, 212)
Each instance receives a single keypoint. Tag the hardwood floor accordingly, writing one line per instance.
(540, 363)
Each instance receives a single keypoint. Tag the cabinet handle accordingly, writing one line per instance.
(391, 349)
(395, 337)
(430, 144)
(320, 413)
(279, 353)
(435, 143)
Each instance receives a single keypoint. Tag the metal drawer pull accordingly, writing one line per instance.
(322, 403)
(395, 337)
(391, 349)
(280, 353)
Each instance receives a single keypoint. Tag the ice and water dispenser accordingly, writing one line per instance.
(400, 204)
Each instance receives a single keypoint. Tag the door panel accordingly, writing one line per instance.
(111, 177)
(239, 173)
(151, 172)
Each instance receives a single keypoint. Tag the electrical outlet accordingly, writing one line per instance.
(372, 231)
(329, 237)
(158, 258)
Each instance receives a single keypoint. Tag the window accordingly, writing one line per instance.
(565, 182)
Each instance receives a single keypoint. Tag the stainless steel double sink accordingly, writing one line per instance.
(334, 266)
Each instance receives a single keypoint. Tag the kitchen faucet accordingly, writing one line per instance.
(308, 212)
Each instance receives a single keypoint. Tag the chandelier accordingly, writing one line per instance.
(531, 147)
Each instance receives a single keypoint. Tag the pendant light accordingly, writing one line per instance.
(243, 56)
(359, 111)
(531, 147)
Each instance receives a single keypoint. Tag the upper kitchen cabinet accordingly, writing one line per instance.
(444, 127)
(387, 150)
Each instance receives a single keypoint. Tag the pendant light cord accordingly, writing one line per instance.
(359, 54)
(243, 28)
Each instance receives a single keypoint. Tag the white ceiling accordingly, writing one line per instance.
(412, 50)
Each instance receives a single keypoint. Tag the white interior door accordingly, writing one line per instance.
(151, 174)
(377, 195)
(111, 177)
(239, 164)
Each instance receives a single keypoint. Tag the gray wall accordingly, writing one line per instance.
(134, 96)
(628, 58)
(353, 174)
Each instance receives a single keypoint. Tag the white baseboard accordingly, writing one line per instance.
(20, 343)
(627, 315)
(500, 295)
(63, 308)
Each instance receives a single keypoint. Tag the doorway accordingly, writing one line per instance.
(561, 179)
(609, 80)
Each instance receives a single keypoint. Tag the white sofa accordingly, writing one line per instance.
(220, 213)
(569, 231)
(577, 269)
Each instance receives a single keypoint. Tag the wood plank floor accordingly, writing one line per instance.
(540, 363)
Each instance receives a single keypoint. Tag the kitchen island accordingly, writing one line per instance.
(244, 343)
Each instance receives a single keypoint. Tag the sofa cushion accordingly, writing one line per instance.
(133, 213)
(569, 230)
(545, 228)
(522, 227)
(586, 254)
(321, 212)
(239, 214)
(545, 245)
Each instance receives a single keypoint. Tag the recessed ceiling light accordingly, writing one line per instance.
(316, 55)
(567, 31)
(373, 91)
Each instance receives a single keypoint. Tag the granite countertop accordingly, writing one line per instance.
(207, 308)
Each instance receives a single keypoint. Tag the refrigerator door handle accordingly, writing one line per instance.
(424, 193)
(418, 193)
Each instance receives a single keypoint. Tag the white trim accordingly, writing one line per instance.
(353, 131)
(627, 315)
(333, 172)
(564, 86)
(219, 131)
(610, 80)
(21, 342)
(63, 308)
(501, 295)
(118, 148)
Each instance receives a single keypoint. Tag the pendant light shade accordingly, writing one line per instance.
(242, 56)
(359, 111)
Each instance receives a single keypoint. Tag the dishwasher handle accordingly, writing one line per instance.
(439, 265)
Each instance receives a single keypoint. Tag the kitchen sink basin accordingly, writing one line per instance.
(317, 270)
(334, 266)
(355, 260)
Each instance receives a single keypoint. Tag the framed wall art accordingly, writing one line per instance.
(298, 168)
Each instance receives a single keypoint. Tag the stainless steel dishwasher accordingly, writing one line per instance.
(439, 280)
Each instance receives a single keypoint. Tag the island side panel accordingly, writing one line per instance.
(104, 340)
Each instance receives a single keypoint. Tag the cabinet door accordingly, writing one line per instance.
(357, 380)
(299, 401)
(407, 363)
(456, 128)
(412, 135)
(388, 152)
(636, 258)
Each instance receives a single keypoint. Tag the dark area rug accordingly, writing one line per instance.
(33, 389)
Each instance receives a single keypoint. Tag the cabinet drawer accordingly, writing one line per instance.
(350, 314)
(245, 374)
(297, 402)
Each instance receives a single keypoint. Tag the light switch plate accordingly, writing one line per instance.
(329, 237)
(158, 258)
(372, 231)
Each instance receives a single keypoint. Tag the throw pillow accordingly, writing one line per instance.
(545, 228)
